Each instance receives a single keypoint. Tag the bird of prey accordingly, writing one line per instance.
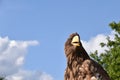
(79, 65)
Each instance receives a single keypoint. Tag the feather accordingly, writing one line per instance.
(79, 65)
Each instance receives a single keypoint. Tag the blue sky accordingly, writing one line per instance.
(50, 22)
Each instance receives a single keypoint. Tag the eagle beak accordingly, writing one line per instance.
(75, 41)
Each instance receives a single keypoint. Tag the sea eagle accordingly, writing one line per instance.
(79, 65)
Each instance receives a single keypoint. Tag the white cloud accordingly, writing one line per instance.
(94, 43)
(12, 56)
(30, 75)
(19, 61)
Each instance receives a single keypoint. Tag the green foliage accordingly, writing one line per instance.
(110, 59)
(115, 26)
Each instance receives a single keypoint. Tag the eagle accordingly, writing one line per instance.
(79, 65)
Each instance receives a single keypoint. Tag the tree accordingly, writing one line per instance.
(110, 59)
(2, 78)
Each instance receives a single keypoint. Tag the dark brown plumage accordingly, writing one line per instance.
(79, 64)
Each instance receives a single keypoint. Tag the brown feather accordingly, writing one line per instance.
(79, 64)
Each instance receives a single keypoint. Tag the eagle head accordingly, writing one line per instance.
(73, 40)
(72, 44)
